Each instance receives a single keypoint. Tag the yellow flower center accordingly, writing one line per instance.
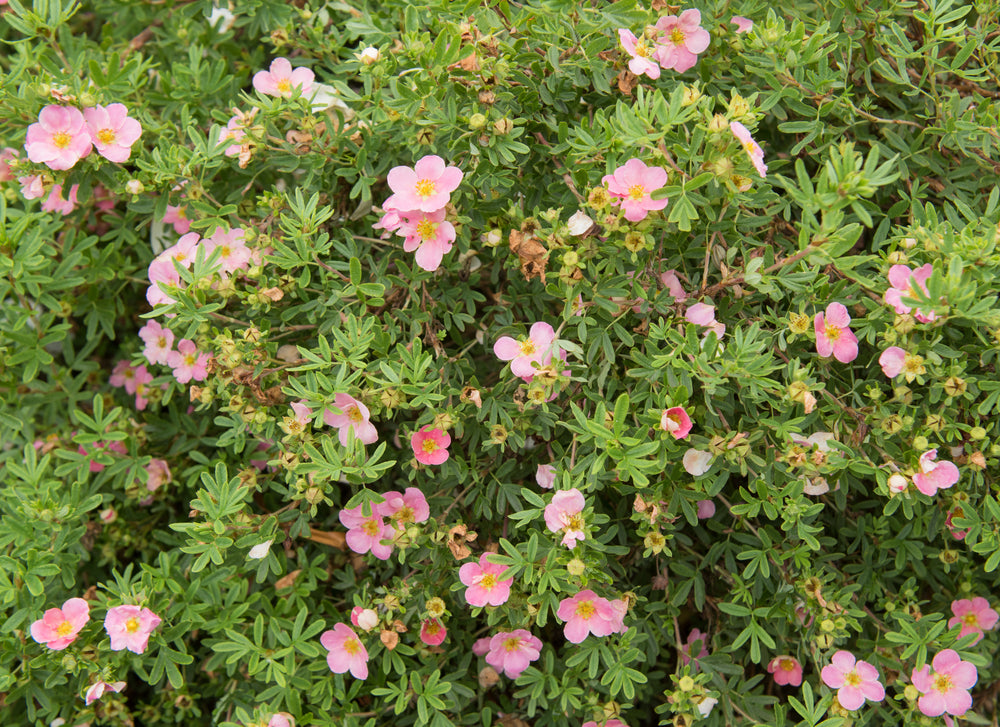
(284, 86)
(575, 522)
(752, 148)
(181, 213)
(853, 679)
(488, 581)
(512, 644)
(180, 257)
(190, 359)
(786, 664)
(433, 628)
(832, 332)
(429, 446)
(226, 251)
(677, 36)
(942, 683)
(370, 528)
(61, 139)
(404, 515)
(636, 191)
(971, 619)
(527, 347)
(425, 187)
(426, 229)
(64, 629)
(132, 625)
(106, 136)
(355, 415)
(585, 610)
(352, 646)
(642, 49)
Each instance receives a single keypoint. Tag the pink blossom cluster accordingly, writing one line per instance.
(673, 43)
(186, 361)
(63, 135)
(368, 534)
(129, 627)
(587, 613)
(416, 210)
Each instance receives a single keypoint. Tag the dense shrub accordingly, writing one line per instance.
(420, 363)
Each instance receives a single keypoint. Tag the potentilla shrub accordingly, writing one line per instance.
(568, 364)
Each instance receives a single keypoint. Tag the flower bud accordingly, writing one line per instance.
(503, 126)
(718, 124)
(487, 97)
(367, 619)
(576, 567)
(897, 258)
(134, 186)
(692, 95)
(369, 55)
(897, 484)
(954, 386)
(920, 443)
(977, 433)
(477, 121)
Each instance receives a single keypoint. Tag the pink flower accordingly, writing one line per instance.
(642, 52)
(354, 419)
(481, 646)
(673, 285)
(162, 273)
(115, 446)
(32, 186)
(157, 474)
(946, 689)
(586, 613)
(129, 627)
(697, 462)
(281, 719)
(523, 354)
(112, 131)
(833, 337)
(58, 627)
(59, 139)
(142, 378)
(891, 361)
(364, 618)
(483, 584)
(280, 80)
(975, 617)
(743, 25)
(7, 156)
(680, 41)
(159, 342)
(609, 723)
(433, 632)
(702, 314)
(706, 509)
(632, 183)
(934, 476)
(188, 362)
(177, 216)
(427, 187)
(123, 374)
(855, 681)
(234, 134)
(751, 147)
(366, 534)
(786, 669)
(512, 651)
(389, 222)
(545, 476)
(97, 690)
(696, 640)
(430, 234)
(564, 515)
(55, 202)
(233, 251)
(676, 422)
(905, 283)
(410, 507)
(430, 447)
(347, 653)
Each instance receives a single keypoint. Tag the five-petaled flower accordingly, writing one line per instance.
(429, 234)
(632, 184)
(58, 627)
(855, 681)
(786, 670)
(946, 688)
(524, 354)
(587, 613)
(433, 632)
(346, 652)
(681, 39)
(934, 475)
(280, 79)
(366, 532)
(112, 131)
(565, 515)
(483, 584)
(425, 187)
(352, 421)
(833, 335)
(904, 283)
(129, 627)
(430, 445)
(974, 616)
(59, 138)
(512, 651)
(643, 54)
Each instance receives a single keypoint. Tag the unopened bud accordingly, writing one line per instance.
(134, 186)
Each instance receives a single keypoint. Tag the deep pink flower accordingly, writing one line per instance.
(974, 616)
(425, 187)
(696, 641)
(406, 508)
(58, 627)
(481, 646)
(59, 139)
(680, 40)
(786, 670)
(55, 202)
(751, 147)
(743, 25)
(347, 653)
(632, 184)
(177, 216)
(98, 688)
(643, 54)
(904, 283)
(159, 342)
(855, 681)
(430, 446)
(586, 613)
(545, 476)
(112, 131)
(129, 627)
(429, 234)
(891, 361)
(946, 689)
(512, 651)
(676, 422)
(565, 515)
(366, 534)
(933, 475)
(280, 80)
(354, 419)
(833, 335)
(433, 632)
(188, 362)
(483, 584)
(524, 354)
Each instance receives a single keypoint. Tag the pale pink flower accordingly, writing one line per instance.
(177, 216)
(429, 234)
(787, 670)
(525, 353)
(108, 515)
(632, 184)
(142, 379)
(389, 222)
(586, 613)
(430, 446)
(610, 723)
(703, 314)
(680, 40)
(676, 422)
(512, 651)
(643, 54)
(425, 187)
(55, 202)
(905, 283)
(233, 251)
(159, 342)
(697, 462)
(7, 156)
(855, 681)
(406, 508)
(619, 610)
(347, 653)
(260, 551)
(946, 688)
(743, 25)
(353, 420)
(565, 515)
(59, 139)
(32, 186)
(366, 534)
(188, 362)
(891, 361)
(751, 147)
(974, 616)
(123, 374)
(364, 618)
(280, 719)
(433, 632)
(112, 131)
(933, 475)
(673, 285)
(301, 412)
(280, 80)
(833, 335)
(233, 135)
(98, 688)
(481, 646)
(696, 641)
(706, 509)
(483, 584)
(58, 627)
(545, 476)
(162, 273)
(130, 627)
(157, 474)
